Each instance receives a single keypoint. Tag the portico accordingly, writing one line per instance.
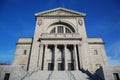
(59, 57)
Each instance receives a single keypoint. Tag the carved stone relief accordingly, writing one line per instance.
(80, 22)
(39, 22)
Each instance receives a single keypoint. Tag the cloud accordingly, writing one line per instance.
(114, 49)
(113, 62)
(6, 56)
(114, 53)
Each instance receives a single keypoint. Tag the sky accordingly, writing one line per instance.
(17, 20)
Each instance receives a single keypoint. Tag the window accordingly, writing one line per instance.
(95, 52)
(67, 30)
(7, 75)
(116, 76)
(53, 30)
(60, 29)
(25, 51)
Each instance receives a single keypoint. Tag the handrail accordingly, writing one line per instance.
(70, 75)
(29, 74)
(49, 76)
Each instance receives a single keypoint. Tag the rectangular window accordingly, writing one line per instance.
(95, 52)
(25, 51)
(7, 75)
(116, 76)
(60, 29)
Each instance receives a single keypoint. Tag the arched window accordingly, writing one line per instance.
(61, 29)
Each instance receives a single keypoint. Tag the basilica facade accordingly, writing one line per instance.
(60, 48)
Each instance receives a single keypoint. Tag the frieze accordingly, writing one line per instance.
(60, 17)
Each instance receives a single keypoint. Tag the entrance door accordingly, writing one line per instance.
(70, 66)
(50, 66)
(60, 66)
(7, 75)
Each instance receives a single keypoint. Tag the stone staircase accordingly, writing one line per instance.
(80, 75)
(56, 75)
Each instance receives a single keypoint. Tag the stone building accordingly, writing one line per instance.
(60, 49)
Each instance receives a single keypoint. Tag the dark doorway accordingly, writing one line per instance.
(60, 66)
(7, 75)
(70, 66)
(50, 66)
(116, 76)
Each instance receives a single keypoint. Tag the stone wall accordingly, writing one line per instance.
(16, 73)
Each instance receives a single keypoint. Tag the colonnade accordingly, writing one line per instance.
(53, 55)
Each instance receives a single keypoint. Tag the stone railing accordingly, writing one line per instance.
(50, 76)
(60, 36)
(70, 75)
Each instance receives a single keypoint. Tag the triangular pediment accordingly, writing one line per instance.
(60, 12)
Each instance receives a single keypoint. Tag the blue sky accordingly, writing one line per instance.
(17, 20)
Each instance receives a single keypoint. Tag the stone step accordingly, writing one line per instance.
(58, 75)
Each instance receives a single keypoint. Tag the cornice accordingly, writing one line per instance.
(60, 38)
(59, 10)
(96, 43)
(23, 43)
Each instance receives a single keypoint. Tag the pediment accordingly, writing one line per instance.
(60, 12)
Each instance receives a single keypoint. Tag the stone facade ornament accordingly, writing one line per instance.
(80, 22)
(39, 22)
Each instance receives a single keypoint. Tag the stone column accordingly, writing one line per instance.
(45, 58)
(65, 52)
(75, 58)
(80, 56)
(41, 56)
(55, 58)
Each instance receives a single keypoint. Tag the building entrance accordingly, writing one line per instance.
(60, 66)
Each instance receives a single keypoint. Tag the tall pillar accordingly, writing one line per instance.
(80, 56)
(65, 52)
(55, 58)
(75, 58)
(41, 56)
(45, 58)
